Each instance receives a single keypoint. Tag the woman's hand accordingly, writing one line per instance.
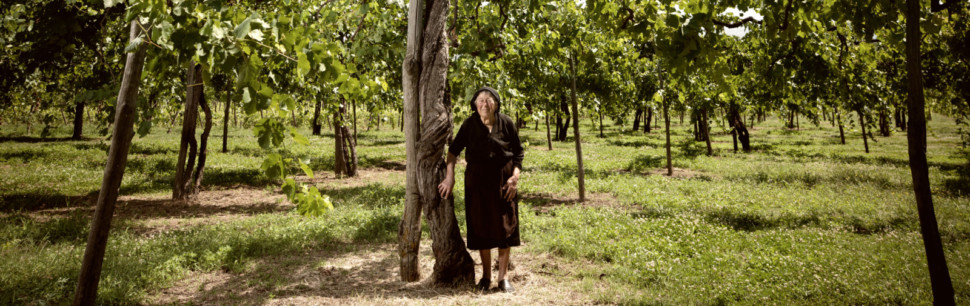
(445, 187)
(511, 187)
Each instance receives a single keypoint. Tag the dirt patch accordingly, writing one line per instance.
(364, 177)
(363, 274)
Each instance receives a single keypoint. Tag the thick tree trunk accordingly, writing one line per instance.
(188, 146)
(87, 286)
(425, 80)
(453, 265)
(862, 122)
(916, 136)
(579, 146)
(225, 121)
(78, 121)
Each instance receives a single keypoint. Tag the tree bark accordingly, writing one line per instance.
(453, 265)
(87, 286)
(579, 146)
(916, 136)
(188, 146)
(354, 109)
(78, 121)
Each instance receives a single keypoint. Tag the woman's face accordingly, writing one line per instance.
(485, 105)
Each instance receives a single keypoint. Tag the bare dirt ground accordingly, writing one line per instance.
(364, 274)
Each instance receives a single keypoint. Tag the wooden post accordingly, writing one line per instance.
(114, 171)
(409, 232)
(579, 146)
(916, 136)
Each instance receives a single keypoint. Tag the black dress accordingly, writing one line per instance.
(492, 221)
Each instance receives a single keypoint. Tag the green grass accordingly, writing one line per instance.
(801, 220)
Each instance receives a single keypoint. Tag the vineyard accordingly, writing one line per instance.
(676, 152)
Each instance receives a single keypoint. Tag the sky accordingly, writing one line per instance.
(741, 31)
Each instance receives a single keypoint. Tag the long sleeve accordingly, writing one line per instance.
(460, 141)
(515, 145)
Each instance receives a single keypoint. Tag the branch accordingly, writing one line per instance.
(628, 18)
(359, 27)
(736, 23)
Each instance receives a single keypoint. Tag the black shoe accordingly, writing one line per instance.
(484, 284)
(505, 286)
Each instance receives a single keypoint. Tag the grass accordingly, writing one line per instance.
(801, 220)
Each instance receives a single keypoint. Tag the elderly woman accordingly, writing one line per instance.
(491, 182)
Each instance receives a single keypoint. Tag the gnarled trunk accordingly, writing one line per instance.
(425, 80)
(189, 146)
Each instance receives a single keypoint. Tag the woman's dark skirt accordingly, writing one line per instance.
(492, 222)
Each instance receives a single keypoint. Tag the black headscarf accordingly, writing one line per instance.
(498, 102)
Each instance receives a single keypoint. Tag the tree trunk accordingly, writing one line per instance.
(78, 121)
(740, 131)
(884, 123)
(862, 122)
(87, 286)
(838, 117)
(707, 132)
(935, 258)
(204, 140)
(425, 88)
(339, 161)
(646, 127)
(225, 121)
(579, 146)
(548, 134)
(670, 165)
(188, 146)
(636, 119)
(601, 124)
(353, 104)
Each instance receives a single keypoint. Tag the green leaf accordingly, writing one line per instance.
(133, 45)
(110, 3)
(299, 138)
(303, 64)
(243, 28)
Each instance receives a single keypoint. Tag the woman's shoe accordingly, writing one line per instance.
(484, 284)
(505, 286)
